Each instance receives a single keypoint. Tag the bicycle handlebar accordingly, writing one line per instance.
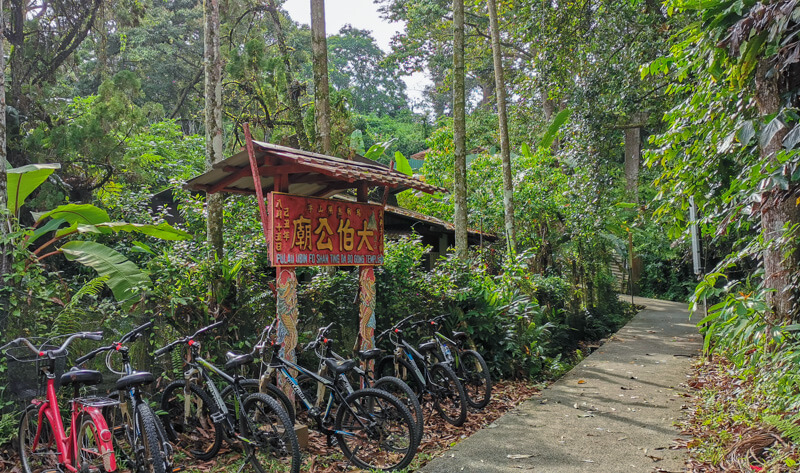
(130, 336)
(394, 327)
(58, 351)
(177, 342)
(320, 337)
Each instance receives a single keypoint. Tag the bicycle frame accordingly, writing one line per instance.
(420, 369)
(67, 446)
(450, 355)
(282, 366)
(135, 396)
(202, 366)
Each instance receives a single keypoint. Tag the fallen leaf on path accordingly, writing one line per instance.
(518, 456)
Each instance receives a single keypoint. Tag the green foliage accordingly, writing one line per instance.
(23, 181)
(558, 121)
(355, 65)
(122, 276)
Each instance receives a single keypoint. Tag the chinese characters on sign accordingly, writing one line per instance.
(306, 231)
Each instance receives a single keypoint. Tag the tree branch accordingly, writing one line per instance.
(185, 93)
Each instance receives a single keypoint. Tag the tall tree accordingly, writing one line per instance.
(319, 48)
(5, 250)
(502, 117)
(293, 87)
(459, 129)
(213, 118)
(357, 67)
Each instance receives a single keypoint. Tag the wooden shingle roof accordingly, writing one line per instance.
(308, 173)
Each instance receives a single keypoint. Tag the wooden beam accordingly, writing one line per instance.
(281, 183)
(237, 173)
(332, 188)
(262, 209)
(362, 191)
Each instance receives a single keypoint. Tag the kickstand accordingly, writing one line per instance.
(246, 461)
(350, 458)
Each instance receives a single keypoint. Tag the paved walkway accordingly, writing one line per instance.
(614, 412)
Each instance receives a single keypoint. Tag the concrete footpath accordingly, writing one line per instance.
(614, 412)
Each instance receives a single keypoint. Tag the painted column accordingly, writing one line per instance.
(288, 313)
(366, 310)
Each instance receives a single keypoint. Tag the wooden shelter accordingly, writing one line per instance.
(267, 168)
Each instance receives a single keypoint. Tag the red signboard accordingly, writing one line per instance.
(305, 231)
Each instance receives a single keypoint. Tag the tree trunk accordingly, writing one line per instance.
(459, 130)
(319, 49)
(502, 117)
(213, 118)
(293, 88)
(633, 143)
(5, 250)
(778, 210)
(16, 37)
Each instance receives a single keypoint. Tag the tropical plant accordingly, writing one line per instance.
(65, 222)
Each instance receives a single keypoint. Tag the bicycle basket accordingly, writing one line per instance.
(25, 377)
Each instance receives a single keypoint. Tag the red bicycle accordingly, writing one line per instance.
(44, 447)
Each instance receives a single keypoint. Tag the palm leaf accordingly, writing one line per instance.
(22, 181)
(76, 213)
(552, 130)
(124, 277)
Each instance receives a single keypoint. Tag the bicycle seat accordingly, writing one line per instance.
(460, 336)
(85, 377)
(428, 347)
(371, 354)
(234, 360)
(140, 378)
(339, 367)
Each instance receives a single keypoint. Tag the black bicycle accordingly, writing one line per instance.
(198, 421)
(361, 377)
(434, 381)
(139, 439)
(373, 429)
(469, 365)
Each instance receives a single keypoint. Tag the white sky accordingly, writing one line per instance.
(362, 14)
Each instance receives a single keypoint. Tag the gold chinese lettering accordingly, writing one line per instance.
(324, 231)
(346, 235)
(365, 234)
(302, 233)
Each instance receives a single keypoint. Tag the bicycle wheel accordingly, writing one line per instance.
(250, 386)
(449, 398)
(474, 375)
(397, 388)
(147, 445)
(376, 431)
(36, 454)
(274, 444)
(403, 371)
(89, 455)
(194, 430)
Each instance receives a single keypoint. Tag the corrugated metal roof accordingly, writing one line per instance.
(310, 174)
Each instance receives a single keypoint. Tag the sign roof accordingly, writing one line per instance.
(308, 174)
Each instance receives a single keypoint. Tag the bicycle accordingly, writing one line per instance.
(139, 439)
(373, 429)
(44, 445)
(469, 365)
(424, 377)
(364, 377)
(264, 428)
